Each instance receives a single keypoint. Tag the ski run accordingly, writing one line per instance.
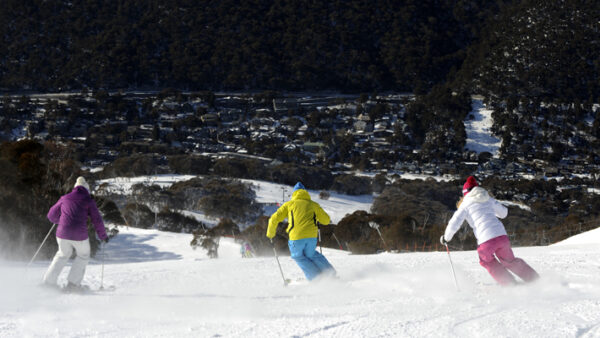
(158, 286)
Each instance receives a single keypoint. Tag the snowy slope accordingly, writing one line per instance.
(591, 237)
(478, 129)
(166, 289)
(337, 206)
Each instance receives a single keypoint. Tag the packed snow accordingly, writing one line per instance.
(164, 288)
(478, 129)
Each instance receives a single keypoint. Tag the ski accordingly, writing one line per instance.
(107, 288)
(49, 287)
(292, 282)
(86, 290)
(82, 290)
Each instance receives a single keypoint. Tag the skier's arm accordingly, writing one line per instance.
(97, 220)
(277, 217)
(454, 224)
(322, 217)
(54, 212)
(499, 210)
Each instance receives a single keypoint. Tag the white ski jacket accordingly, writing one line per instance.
(481, 212)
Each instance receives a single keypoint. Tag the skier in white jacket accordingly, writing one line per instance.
(482, 211)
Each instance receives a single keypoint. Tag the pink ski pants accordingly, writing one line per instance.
(497, 257)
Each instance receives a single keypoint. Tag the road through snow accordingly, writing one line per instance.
(478, 129)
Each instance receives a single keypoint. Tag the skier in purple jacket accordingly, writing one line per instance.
(71, 214)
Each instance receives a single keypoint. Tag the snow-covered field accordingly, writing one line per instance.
(166, 289)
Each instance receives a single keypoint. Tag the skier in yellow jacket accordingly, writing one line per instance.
(303, 214)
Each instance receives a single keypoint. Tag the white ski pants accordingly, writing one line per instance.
(65, 250)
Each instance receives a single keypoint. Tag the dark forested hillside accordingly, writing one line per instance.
(342, 45)
(540, 50)
(504, 49)
(538, 68)
(33, 178)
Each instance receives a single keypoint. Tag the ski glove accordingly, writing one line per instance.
(443, 240)
(106, 240)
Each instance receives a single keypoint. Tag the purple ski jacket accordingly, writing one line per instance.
(71, 214)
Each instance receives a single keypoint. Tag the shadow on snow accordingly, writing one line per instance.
(129, 248)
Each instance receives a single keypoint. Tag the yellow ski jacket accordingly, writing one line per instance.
(302, 214)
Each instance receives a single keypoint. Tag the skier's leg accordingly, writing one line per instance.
(518, 266)
(310, 251)
(65, 249)
(82, 251)
(297, 252)
(489, 262)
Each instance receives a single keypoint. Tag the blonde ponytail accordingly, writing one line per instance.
(459, 202)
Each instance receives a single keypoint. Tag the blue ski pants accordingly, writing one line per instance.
(312, 263)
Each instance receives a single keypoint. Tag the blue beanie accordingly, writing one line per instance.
(298, 186)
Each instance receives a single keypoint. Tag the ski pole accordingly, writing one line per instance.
(338, 242)
(452, 266)
(285, 281)
(320, 244)
(376, 227)
(102, 271)
(41, 245)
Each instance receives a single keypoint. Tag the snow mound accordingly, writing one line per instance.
(588, 237)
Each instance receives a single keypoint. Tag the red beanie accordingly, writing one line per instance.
(470, 184)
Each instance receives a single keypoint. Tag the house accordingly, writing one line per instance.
(313, 147)
(210, 119)
(284, 105)
(230, 115)
(363, 126)
(551, 171)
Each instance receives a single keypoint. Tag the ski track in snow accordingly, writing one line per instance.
(478, 129)
(166, 289)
